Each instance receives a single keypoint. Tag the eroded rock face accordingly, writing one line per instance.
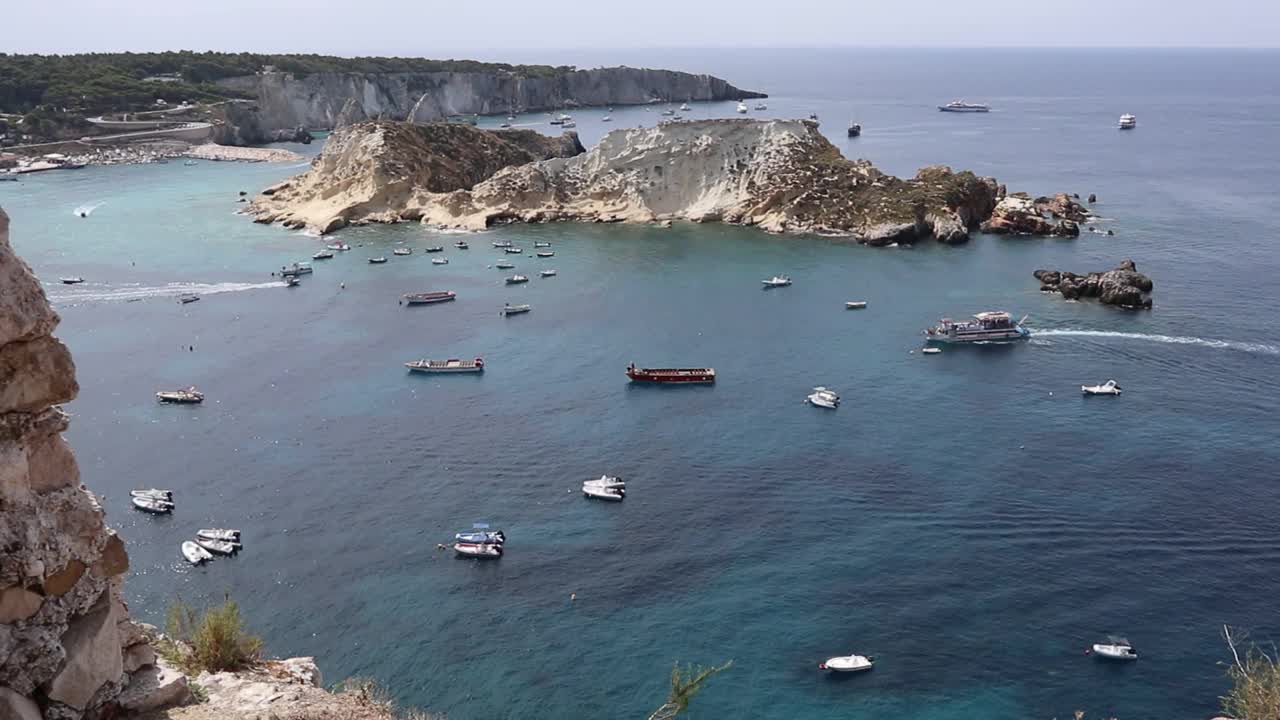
(1018, 214)
(62, 622)
(1124, 286)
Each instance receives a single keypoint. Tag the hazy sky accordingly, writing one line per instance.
(486, 28)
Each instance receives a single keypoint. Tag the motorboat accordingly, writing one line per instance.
(478, 550)
(546, 254)
(428, 298)
(848, 663)
(855, 129)
(218, 547)
(296, 269)
(703, 375)
(189, 396)
(462, 245)
(154, 505)
(194, 553)
(777, 281)
(668, 112)
(931, 351)
(989, 326)
(325, 254)
(377, 260)
(1116, 648)
(824, 398)
(512, 250)
(505, 126)
(568, 125)
(561, 119)
(402, 251)
(510, 309)
(71, 280)
(517, 279)
(153, 493)
(684, 107)
(502, 243)
(434, 249)
(504, 265)
(452, 365)
(1128, 122)
(606, 118)
(1107, 388)
(606, 488)
(761, 106)
(960, 106)
(547, 273)
(187, 298)
(742, 107)
(541, 244)
(219, 534)
(339, 246)
(292, 281)
(855, 305)
(439, 261)
(480, 533)
(813, 117)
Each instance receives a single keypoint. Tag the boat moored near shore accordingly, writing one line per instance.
(990, 326)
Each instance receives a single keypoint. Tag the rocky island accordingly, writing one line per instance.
(1123, 286)
(783, 176)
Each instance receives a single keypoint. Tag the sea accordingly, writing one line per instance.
(969, 519)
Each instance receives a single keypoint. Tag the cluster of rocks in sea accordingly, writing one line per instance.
(1019, 214)
(1123, 286)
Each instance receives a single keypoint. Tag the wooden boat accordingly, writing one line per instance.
(671, 375)
(194, 553)
(427, 298)
(402, 251)
(855, 305)
(452, 365)
(509, 309)
(189, 396)
(517, 279)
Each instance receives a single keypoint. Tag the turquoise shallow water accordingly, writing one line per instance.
(972, 530)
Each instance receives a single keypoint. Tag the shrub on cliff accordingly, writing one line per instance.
(1255, 682)
(213, 641)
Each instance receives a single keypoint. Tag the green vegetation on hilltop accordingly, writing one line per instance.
(102, 82)
(214, 640)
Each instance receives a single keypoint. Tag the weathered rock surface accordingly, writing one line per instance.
(155, 686)
(1018, 214)
(1124, 286)
(333, 100)
(382, 172)
(61, 617)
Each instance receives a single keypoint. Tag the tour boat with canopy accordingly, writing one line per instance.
(990, 326)
(671, 375)
(452, 365)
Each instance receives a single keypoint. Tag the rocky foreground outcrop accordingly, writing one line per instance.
(1124, 286)
(67, 646)
(1018, 214)
(384, 171)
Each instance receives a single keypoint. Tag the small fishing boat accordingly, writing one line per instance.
(848, 663)
(546, 254)
(513, 250)
(777, 281)
(480, 533)
(855, 305)
(1116, 648)
(439, 261)
(517, 279)
(339, 246)
(855, 129)
(194, 553)
(325, 254)
(502, 243)
(188, 298)
(189, 396)
(402, 251)
(541, 244)
(452, 365)
(1128, 122)
(427, 298)
(504, 265)
(462, 245)
(547, 273)
(292, 281)
(154, 505)
(742, 107)
(71, 280)
(1107, 388)
(219, 534)
(435, 249)
(931, 351)
(478, 550)
(671, 375)
(296, 269)
(824, 398)
(510, 309)
(377, 260)
(606, 488)
(218, 547)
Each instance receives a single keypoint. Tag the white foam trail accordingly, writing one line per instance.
(1169, 339)
(128, 293)
(86, 210)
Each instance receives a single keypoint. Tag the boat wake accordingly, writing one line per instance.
(105, 293)
(1261, 348)
(87, 210)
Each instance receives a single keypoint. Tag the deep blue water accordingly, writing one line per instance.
(967, 518)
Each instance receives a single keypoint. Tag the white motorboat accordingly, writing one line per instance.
(606, 118)
(218, 547)
(402, 251)
(219, 534)
(568, 125)
(502, 243)
(154, 505)
(439, 261)
(478, 550)
(932, 351)
(296, 269)
(541, 244)
(855, 305)
(605, 488)
(546, 254)
(509, 309)
(462, 245)
(339, 246)
(684, 107)
(504, 265)
(480, 533)
(452, 365)
(189, 396)
(668, 112)
(547, 273)
(187, 298)
(71, 280)
(434, 249)
(742, 107)
(960, 106)
(377, 260)
(512, 250)
(777, 281)
(153, 493)
(848, 663)
(1116, 648)
(517, 279)
(823, 398)
(761, 106)
(292, 281)
(1107, 388)
(989, 326)
(194, 553)
(322, 254)
(1128, 122)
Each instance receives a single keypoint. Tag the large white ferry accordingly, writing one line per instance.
(990, 326)
(962, 106)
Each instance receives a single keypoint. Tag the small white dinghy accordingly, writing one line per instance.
(777, 281)
(824, 398)
(855, 305)
(605, 488)
(1115, 648)
(931, 351)
(848, 663)
(517, 279)
(219, 534)
(325, 254)
(540, 244)
(402, 251)
(339, 246)
(154, 505)
(478, 550)
(194, 553)
(515, 309)
(218, 547)
(1107, 388)
(546, 253)
(439, 261)
(548, 273)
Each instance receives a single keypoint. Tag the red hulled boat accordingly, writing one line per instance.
(671, 375)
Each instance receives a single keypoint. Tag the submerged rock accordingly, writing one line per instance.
(1124, 286)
